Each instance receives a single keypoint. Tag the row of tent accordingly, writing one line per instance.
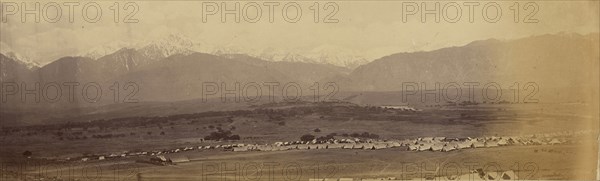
(365, 146)
(449, 146)
(445, 145)
(419, 144)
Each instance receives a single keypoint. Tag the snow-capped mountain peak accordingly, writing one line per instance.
(103, 50)
(171, 44)
(22, 59)
(336, 55)
(326, 54)
(28, 62)
(167, 46)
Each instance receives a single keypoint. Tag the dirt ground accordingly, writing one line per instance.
(287, 123)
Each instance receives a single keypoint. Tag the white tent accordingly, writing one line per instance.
(348, 146)
(491, 144)
(240, 148)
(503, 142)
(334, 146)
(179, 159)
(161, 158)
(448, 148)
(427, 139)
(536, 141)
(509, 175)
(408, 141)
(437, 147)
(554, 141)
(359, 146)
(425, 147)
(478, 144)
(379, 146)
(453, 144)
(253, 147)
(303, 147)
(465, 144)
(265, 148)
(285, 148)
(394, 144)
(413, 147)
(492, 175)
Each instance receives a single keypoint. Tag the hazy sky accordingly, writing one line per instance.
(366, 28)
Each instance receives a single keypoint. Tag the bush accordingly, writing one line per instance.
(317, 130)
(307, 137)
(234, 137)
(27, 153)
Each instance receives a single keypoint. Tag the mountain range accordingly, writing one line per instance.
(173, 44)
(172, 70)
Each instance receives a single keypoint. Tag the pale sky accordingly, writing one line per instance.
(367, 28)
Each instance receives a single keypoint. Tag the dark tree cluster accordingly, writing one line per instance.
(361, 135)
(307, 137)
(222, 135)
(106, 136)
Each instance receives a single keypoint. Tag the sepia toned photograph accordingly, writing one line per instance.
(351, 90)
